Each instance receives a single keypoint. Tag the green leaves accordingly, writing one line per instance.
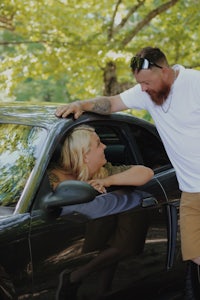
(51, 40)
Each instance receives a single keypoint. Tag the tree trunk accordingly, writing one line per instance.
(111, 85)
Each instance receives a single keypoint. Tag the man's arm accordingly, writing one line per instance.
(100, 105)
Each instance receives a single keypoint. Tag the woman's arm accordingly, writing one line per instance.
(135, 176)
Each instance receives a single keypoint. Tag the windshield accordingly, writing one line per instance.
(19, 147)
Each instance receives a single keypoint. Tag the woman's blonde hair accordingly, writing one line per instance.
(75, 146)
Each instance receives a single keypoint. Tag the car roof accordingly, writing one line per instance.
(43, 115)
(32, 114)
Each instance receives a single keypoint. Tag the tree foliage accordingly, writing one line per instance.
(76, 46)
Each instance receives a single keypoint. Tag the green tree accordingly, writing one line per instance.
(90, 43)
(46, 90)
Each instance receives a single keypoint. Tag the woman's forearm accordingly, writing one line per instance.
(136, 175)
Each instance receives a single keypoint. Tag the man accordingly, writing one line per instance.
(172, 96)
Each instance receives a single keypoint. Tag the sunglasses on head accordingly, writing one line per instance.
(140, 63)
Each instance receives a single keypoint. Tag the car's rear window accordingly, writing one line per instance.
(19, 148)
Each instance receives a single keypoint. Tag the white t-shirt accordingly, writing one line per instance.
(178, 123)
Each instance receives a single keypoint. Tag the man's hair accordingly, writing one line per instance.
(154, 55)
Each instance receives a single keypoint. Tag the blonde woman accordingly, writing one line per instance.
(82, 158)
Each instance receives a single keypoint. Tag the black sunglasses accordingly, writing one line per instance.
(139, 63)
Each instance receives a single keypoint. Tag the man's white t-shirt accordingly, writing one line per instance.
(178, 123)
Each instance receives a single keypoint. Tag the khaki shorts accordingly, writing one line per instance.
(190, 225)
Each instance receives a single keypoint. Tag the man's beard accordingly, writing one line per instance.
(160, 97)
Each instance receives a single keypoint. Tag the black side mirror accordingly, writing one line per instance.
(68, 193)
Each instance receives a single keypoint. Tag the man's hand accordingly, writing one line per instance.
(101, 105)
(71, 108)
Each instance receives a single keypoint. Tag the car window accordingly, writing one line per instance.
(150, 147)
(117, 145)
(147, 148)
(19, 148)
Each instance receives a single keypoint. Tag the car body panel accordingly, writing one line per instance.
(37, 242)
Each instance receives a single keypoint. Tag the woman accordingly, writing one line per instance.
(82, 158)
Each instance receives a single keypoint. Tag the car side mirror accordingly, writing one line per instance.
(69, 192)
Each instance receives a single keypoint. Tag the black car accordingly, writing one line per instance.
(42, 232)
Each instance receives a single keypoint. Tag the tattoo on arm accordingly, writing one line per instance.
(102, 106)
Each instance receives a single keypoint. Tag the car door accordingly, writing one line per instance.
(56, 244)
(57, 241)
(162, 244)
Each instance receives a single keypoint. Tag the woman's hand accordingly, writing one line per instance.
(135, 176)
(98, 184)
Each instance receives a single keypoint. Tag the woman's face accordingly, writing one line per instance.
(95, 157)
